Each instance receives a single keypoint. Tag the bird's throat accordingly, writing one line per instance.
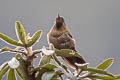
(59, 25)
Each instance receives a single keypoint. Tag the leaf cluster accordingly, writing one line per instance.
(46, 70)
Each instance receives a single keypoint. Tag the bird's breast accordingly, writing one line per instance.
(61, 42)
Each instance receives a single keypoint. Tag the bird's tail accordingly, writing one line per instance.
(72, 60)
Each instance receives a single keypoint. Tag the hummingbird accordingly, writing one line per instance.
(60, 37)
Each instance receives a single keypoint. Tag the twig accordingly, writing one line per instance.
(37, 51)
(79, 73)
(61, 77)
(34, 53)
(58, 62)
(15, 51)
(12, 50)
(36, 69)
(83, 76)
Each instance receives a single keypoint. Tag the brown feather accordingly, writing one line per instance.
(62, 39)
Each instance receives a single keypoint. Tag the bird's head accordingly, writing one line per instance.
(59, 22)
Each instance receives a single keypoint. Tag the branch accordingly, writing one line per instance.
(83, 76)
(79, 73)
(58, 62)
(37, 51)
(61, 77)
(15, 51)
(34, 53)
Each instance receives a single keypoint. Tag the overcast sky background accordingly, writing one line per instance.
(95, 25)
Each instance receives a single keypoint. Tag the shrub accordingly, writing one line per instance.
(22, 63)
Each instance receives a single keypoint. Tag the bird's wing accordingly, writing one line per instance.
(70, 35)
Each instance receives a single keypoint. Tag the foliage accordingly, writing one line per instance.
(46, 70)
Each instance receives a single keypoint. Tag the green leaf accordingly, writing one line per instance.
(34, 38)
(20, 32)
(3, 69)
(45, 68)
(49, 66)
(11, 75)
(99, 71)
(9, 40)
(22, 70)
(44, 60)
(105, 64)
(66, 53)
(4, 49)
(117, 76)
(58, 73)
(49, 76)
(41, 72)
(101, 77)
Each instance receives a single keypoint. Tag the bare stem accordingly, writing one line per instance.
(84, 76)
(34, 53)
(37, 51)
(79, 73)
(15, 51)
(61, 77)
(59, 63)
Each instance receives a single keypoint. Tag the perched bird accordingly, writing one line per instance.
(60, 37)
